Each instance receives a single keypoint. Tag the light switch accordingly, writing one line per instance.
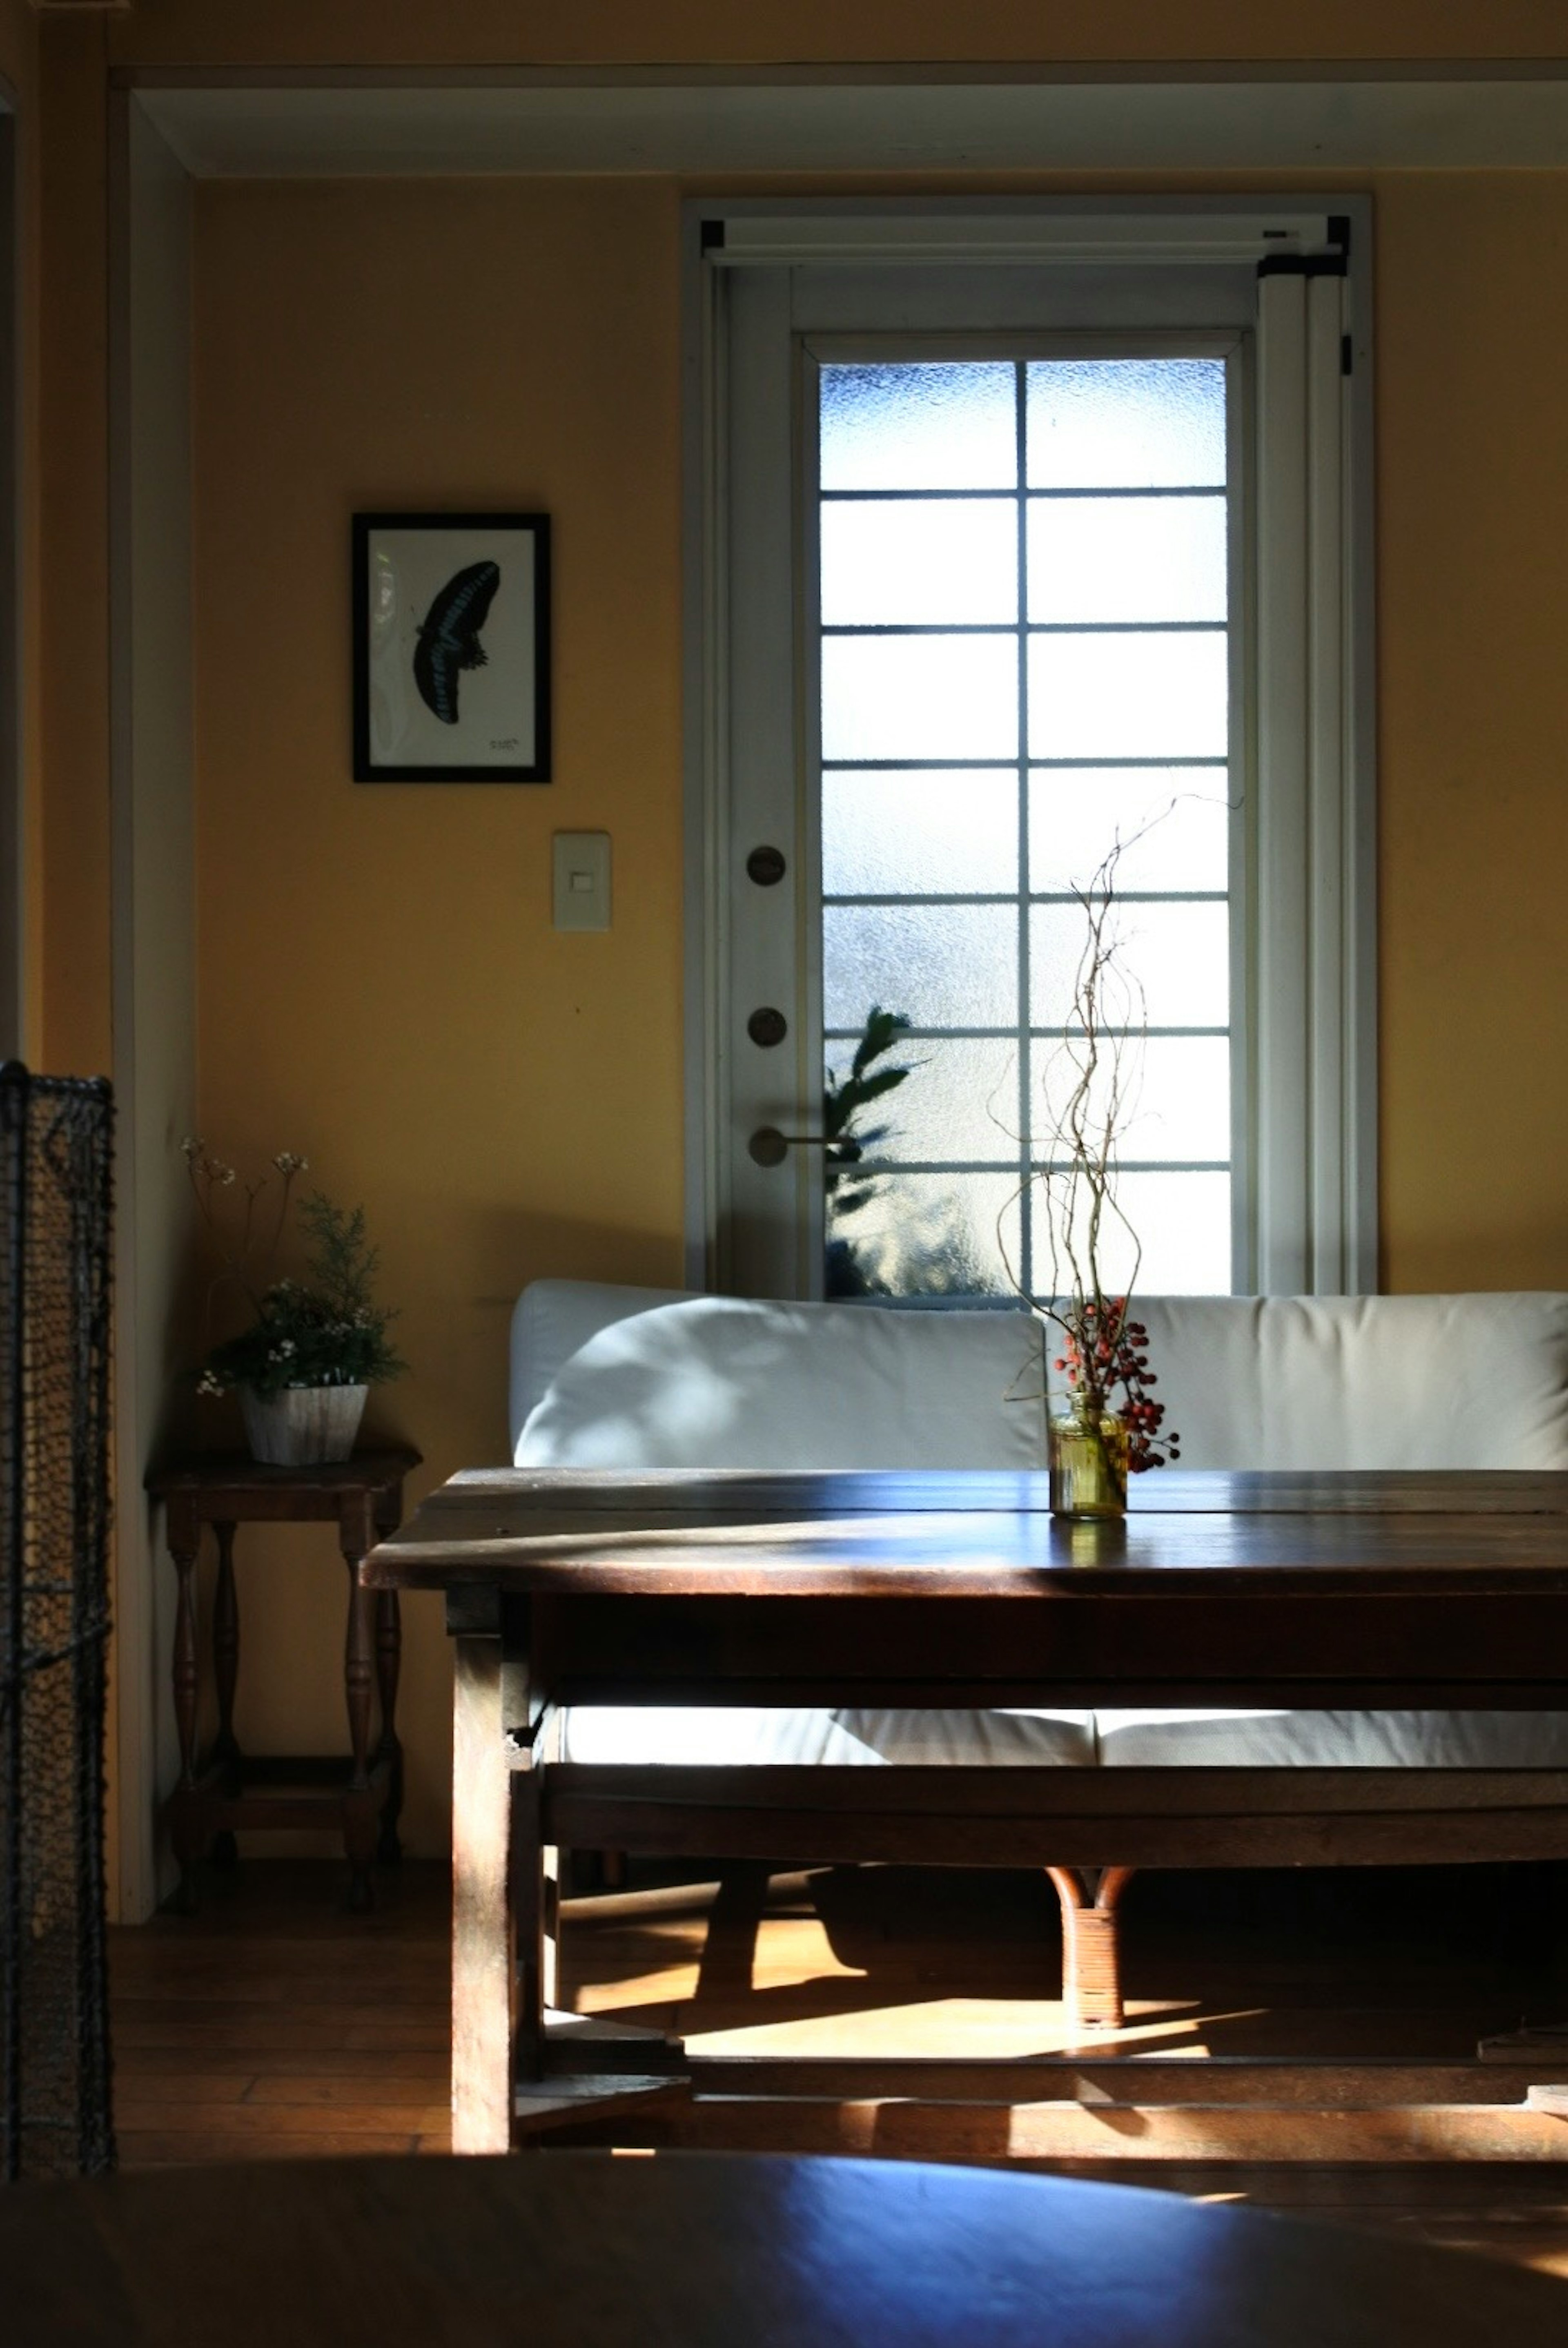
(582, 880)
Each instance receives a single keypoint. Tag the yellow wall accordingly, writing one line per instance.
(72, 639)
(380, 985)
(1473, 505)
(19, 65)
(378, 981)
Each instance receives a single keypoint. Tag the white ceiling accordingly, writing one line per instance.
(788, 122)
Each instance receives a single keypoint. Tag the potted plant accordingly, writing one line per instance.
(314, 1347)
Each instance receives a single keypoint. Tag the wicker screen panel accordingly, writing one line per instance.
(55, 1195)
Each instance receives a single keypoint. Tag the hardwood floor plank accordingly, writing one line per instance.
(274, 2024)
(136, 2064)
(911, 2129)
(250, 2123)
(155, 2148)
(349, 2090)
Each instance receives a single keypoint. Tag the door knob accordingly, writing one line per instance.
(769, 1146)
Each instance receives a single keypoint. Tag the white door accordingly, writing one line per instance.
(981, 607)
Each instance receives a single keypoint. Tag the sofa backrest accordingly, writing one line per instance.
(1376, 1382)
(626, 1377)
(609, 1377)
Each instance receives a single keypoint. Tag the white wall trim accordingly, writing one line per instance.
(1315, 1015)
(323, 122)
(154, 1070)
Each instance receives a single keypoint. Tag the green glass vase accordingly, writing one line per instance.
(1088, 1456)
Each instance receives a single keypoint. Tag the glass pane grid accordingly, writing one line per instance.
(898, 1165)
(1009, 766)
(913, 570)
(1029, 628)
(1009, 497)
(1016, 897)
(929, 1033)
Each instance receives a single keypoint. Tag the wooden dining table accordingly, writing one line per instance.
(585, 2249)
(954, 1589)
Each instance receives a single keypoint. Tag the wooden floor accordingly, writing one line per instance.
(274, 2024)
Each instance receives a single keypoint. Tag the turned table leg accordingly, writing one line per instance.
(388, 1660)
(359, 1824)
(1091, 1944)
(184, 1827)
(226, 1670)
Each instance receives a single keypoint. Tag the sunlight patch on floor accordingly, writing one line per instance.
(985, 2029)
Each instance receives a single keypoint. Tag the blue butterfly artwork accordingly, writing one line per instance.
(449, 639)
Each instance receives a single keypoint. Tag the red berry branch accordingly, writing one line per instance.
(1104, 1353)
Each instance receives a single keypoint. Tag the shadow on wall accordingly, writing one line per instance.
(714, 1383)
(454, 1268)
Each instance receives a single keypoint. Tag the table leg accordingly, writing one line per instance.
(182, 1819)
(483, 2014)
(226, 1670)
(359, 1823)
(388, 1660)
(537, 1912)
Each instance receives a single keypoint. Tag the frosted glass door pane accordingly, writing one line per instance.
(919, 697)
(926, 1235)
(1116, 601)
(890, 563)
(1178, 1243)
(1175, 1093)
(909, 833)
(1125, 559)
(1174, 960)
(942, 426)
(940, 965)
(1126, 424)
(1173, 823)
(959, 1100)
(1128, 696)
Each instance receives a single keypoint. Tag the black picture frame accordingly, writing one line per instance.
(451, 647)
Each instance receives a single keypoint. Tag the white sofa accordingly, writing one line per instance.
(605, 1376)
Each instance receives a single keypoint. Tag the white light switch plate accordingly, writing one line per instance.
(582, 880)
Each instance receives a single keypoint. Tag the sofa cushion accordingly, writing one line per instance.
(1371, 1382)
(730, 1736)
(551, 1320)
(1333, 1740)
(623, 1378)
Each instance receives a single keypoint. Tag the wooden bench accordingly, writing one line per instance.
(916, 1591)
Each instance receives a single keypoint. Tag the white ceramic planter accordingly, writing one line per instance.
(303, 1424)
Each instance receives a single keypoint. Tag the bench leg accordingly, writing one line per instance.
(1091, 1945)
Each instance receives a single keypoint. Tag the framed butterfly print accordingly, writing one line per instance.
(451, 648)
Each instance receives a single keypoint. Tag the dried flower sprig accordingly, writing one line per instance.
(325, 1331)
(209, 1175)
(1103, 1354)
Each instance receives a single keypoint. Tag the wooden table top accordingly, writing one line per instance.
(706, 2249)
(977, 1533)
(236, 1471)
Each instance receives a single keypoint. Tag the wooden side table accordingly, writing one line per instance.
(228, 1788)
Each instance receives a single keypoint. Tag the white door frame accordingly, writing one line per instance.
(1311, 1213)
(152, 922)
